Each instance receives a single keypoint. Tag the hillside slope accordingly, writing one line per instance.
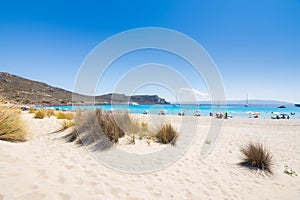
(24, 91)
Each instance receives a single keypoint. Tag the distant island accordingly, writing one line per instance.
(19, 90)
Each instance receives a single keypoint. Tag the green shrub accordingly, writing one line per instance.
(289, 171)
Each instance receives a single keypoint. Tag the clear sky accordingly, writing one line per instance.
(255, 44)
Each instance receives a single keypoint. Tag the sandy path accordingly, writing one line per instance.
(46, 167)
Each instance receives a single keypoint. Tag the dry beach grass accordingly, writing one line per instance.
(256, 155)
(103, 129)
(11, 126)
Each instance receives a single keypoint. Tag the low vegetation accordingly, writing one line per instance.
(32, 110)
(65, 124)
(255, 155)
(40, 114)
(289, 171)
(97, 129)
(64, 115)
(11, 125)
(50, 112)
(167, 135)
(101, 130)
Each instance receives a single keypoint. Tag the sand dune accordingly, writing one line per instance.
(46, 167)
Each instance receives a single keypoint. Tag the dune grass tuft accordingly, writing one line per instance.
(32, 110)
(50, 112)
(64, 115)
(40, 114)
(100, 130)
(65, 124)
(111, 124)
(167, 135)
(255, 155)
(97, 129)
(11, 126)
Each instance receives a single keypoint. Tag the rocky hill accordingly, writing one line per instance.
(24, 91)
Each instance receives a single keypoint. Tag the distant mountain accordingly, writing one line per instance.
(24, 91)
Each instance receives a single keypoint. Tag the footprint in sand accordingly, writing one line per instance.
(69, 166)
(187, 192)
(33, 195)
(42, 173)
(116, 191)
(189, 181)
(79, 180)
(61, 179)
(90, 174)
(64, 196)
(34, 187)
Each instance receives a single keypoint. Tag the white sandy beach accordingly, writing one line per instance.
(46, 167)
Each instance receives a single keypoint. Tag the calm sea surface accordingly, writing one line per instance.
(232, 110)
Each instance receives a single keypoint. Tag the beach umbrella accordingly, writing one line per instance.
(256, 113)
(276, 113)
(198, 111)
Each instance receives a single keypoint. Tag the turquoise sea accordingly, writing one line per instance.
(232, 110)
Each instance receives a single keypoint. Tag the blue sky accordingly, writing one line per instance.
(255, 44)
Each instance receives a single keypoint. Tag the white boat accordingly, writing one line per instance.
(247, 102)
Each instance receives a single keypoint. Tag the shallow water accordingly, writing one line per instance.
(232, 110)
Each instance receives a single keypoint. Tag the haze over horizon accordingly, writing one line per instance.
(255, 45)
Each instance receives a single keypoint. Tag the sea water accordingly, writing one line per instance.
(232, 110)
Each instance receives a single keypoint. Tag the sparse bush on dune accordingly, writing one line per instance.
(64, 115)
(97, 129)
(40, 114)
(11, 126)
(134, 127)
(50, 112)
(112, 124)
(32, 110)
(257, 156)
(167, 135)
(65, 124)
(101, 130)
(144, 127)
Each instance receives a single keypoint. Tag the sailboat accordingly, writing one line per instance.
(247, 102)
(176, 103)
